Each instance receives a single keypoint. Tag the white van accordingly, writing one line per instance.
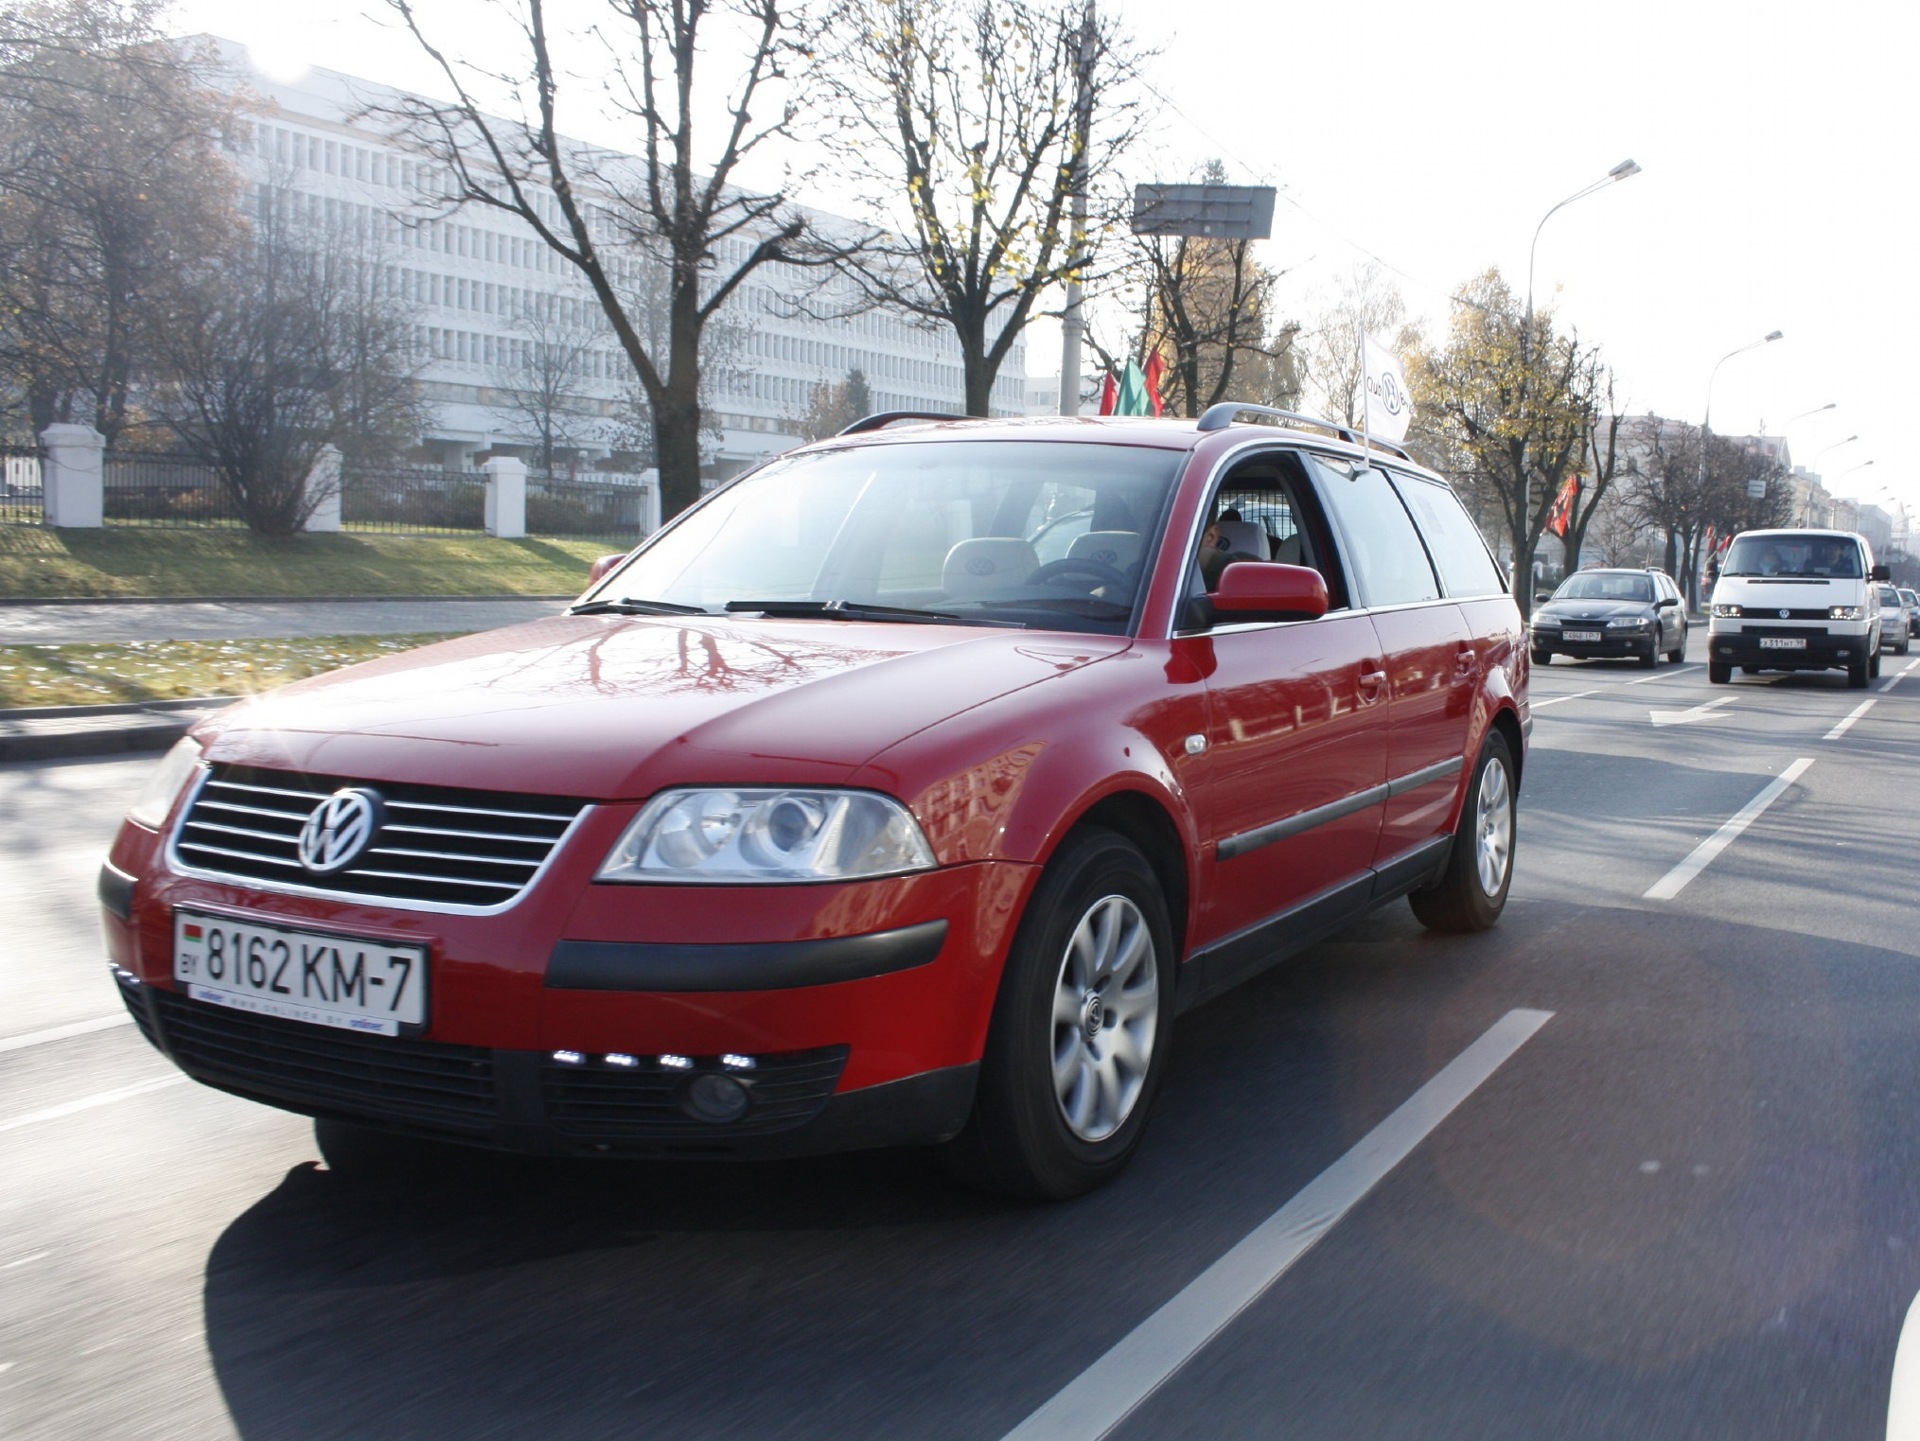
(1796, 600)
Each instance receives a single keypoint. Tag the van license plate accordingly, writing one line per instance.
(1783, 642)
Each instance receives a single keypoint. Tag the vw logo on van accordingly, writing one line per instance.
(340, 829)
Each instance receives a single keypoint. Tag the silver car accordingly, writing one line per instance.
(1895, 634)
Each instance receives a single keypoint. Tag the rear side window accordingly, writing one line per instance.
(1452, 537)
(1386, 559)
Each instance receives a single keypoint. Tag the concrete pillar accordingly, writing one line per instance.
(506, 497)
(323, 492)
(75, 477)
(650, 505)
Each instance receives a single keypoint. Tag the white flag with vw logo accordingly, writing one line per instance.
(1389, 407)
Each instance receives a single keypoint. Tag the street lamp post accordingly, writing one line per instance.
(1619, 172)
(1706, 430)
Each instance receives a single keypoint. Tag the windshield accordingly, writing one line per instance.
(1808, 557)
(1606, 587)
(1889, 597)
(962, 531)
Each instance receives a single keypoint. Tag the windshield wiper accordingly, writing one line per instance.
(842, 610)
(1091, 607)
(629, 605)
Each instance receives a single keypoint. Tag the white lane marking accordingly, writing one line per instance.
(1705, 712)
(1576, 695)
(61, 1033)
(87, 1103)
(1647, 679)
(1847, 724)
(26, 1260)
(1675, 880)
(1141, 1362)
(1903, 1405)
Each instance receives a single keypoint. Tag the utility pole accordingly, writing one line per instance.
(1071, 324)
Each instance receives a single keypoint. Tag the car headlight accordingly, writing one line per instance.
(760, 835)
(1727, 612)
(164, 784)
(1627, 622)
(1843, 612)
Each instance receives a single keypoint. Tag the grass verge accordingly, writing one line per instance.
(44, 675)
(37, 562)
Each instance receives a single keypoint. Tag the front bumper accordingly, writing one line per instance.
(1822, 651)
(533, 1103)
(1613, 645)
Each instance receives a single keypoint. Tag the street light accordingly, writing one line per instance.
(1619, 172)
(1830, 405)
(1814, 464)
(1706, 428)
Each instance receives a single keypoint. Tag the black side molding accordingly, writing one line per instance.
(116, 892)
(770, 966)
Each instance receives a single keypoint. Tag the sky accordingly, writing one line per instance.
(1778, 147)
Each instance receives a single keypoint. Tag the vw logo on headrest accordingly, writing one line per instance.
(980, 565)
(1106, 557)
(340, 829)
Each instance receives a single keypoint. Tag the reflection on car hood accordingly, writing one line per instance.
(614, 707)
(1564, 610)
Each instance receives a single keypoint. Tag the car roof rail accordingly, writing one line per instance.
(885, 418)
(1219, 417)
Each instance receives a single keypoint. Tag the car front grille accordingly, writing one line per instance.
(437, 845)
(1793, 630)
(336, 1072)
(593, 1099)
(1760, 612)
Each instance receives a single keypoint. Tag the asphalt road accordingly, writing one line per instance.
(1680, 1197)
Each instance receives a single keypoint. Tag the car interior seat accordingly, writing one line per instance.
(986, 565)
(1117, 548)
(1244, 540)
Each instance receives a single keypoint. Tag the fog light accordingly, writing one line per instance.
(713, 1097)
(568, 1058)
(737, 1063)
(625, 1063)
(677, 1063)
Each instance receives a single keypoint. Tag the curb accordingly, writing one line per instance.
(66, 732)
(255, 599)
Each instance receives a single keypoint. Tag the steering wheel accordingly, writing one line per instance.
(1079, 564)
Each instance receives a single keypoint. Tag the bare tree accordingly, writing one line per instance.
(679, 200)
(543, 380)
(114, 181)
(971, 130)
(834, 405)
(1606, 458)
(1365, 303)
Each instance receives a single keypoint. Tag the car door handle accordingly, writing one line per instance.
(1464, 660)
(1372, 682)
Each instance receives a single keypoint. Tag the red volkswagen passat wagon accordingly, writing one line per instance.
(902, 791)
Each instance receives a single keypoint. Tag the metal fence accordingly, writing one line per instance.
(165, 490)
(412, 500)
(22, 492)
(587, 507)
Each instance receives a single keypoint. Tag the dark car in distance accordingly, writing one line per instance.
(1612, 614)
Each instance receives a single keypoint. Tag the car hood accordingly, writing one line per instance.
(611, 707)
(1564, 610)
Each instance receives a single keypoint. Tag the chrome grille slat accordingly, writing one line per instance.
(456, 852)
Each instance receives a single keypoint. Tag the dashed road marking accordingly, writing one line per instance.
(1847, 724)
(1140, 1363)
(61, 1033)
(1675, 880)
(87, 1103)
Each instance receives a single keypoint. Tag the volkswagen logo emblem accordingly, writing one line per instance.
(1783, 615)
(340, 829)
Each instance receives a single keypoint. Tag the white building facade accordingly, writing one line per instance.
(484, 291)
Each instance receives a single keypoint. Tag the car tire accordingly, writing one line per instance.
(1719, 672)
(366, 1153)
(1080, 1032)
(1873, 666)
(1678, 654)
(1543, 657)
(1859, 671)
(1901, 649)
(1652, 656)
(1472, 891)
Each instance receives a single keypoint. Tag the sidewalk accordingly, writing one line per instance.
(58, 732)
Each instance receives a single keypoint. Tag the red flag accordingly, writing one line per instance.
(1109, 392)
(1561, 516)
(1154, 368)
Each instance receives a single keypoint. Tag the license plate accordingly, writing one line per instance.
(1783, 642)
(313, 976)
(1581, 635)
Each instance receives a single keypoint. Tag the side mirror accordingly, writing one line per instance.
(1666, 600)
(1880, 572)
(602, 566)
(1259, 587)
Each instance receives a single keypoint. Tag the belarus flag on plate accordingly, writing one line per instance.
(192, 932)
